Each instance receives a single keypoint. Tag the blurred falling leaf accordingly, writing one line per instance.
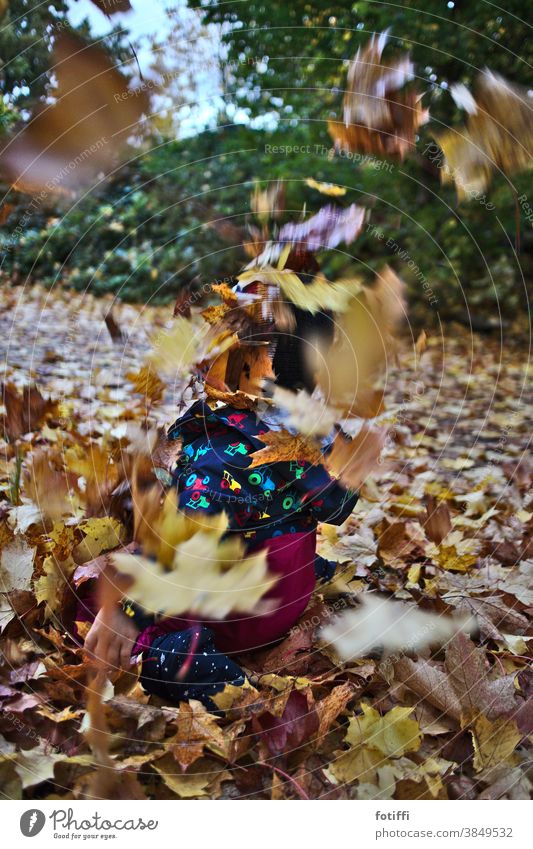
(83, 131)
(364, 344)
(352, 460)
(437, 523)
(498, 135)
(393, 625)
(113, 327)
(307, 415)
(326, 188)
(194, 570)
(315, 296)
(327, 229)
(147, 383)
(268, 203)
(47, 484)
(187, 342)
(379, 116)
(25, 410)
(113, 7)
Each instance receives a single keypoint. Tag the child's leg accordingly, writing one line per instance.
(186, 665)
(324, 569)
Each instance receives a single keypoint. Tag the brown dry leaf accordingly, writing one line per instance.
(239, 400)
(498, 135)
(203, 778)
(438, 522)
(331, 706)
(26, 410)
(429, 682)
(379, 116)
(147, 383)
(197, 729)
(352, 460)
(114, 330)
(257, 366)
(282, 446)
(477, 693)
(88, 123)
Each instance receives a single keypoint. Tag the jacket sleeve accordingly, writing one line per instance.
(323, 496)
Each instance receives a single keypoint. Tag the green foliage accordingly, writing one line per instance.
(146, 233)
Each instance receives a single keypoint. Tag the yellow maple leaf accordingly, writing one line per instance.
(392, 734)
(101, 534)
(147, 383)
(194, 570)
(280, 445)
(494, 740)
(50, 586)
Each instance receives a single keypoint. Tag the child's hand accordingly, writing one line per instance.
(111, 638)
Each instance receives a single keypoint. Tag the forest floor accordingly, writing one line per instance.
(452, 723)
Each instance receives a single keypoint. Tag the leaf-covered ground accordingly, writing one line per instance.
(397, 724)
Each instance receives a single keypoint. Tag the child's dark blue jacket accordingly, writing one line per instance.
(264, 502)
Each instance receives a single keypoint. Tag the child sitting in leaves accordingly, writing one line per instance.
(275, 506)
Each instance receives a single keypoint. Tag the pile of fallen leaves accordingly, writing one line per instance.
(442, 528)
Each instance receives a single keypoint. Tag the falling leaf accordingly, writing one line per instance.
(438, 523)
(327, 229)
(498, 135)
(25, 411)
(379, 117)
(195, 571)
(364, 343)
(326, 188)
(48, 485)
(315, 296)
(83, 131)
(352, 460)
(392, 624)
(307, 415)
(281, 446)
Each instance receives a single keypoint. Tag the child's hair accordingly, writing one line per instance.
(291, 363)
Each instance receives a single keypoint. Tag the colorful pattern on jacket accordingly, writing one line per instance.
(270, 500)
